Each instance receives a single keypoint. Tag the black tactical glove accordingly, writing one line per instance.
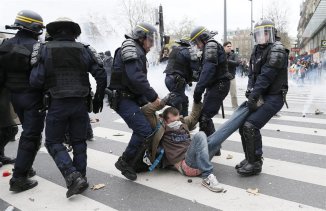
(252, 103)
(248, 92)
(197, 97)
(98, 103)
(169, 99)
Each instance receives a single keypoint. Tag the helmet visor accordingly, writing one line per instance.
(264, 35)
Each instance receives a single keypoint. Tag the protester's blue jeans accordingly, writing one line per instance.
(202, 149)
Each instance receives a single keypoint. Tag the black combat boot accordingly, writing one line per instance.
(31, 172)
(125, 168)
(76, 184)
(21, 184)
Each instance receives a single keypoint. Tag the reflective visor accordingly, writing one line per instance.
(264, 34)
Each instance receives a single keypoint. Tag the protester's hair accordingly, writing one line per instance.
(170, 110)
(226, 43)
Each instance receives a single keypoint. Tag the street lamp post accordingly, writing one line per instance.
(225, 23)
(251, 24)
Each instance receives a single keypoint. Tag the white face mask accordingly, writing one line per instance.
(175, 125)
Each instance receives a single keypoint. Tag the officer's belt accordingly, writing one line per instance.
(126, 94)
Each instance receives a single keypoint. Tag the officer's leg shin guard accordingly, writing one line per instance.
(61, 158)
(252, 167)
(80, 156)
(243, 141)
(206, 125)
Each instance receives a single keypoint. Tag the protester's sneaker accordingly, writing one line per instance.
(212, 184)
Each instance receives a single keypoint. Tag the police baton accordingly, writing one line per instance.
(222, 107)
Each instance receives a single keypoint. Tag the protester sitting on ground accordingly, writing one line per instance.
(191, 156)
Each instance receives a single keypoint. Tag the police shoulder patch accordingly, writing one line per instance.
(129, 50)
(278, 56)
(36, 53)
(211, 51)
(95, 56)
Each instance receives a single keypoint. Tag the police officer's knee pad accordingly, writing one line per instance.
(53, 149)
(250, 130)
(30, 144)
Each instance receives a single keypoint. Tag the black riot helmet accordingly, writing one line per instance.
(264, 32)
(28, 20)
(62, 24)
(200, 33)
(143, 31)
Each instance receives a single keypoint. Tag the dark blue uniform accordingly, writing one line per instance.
(62, 70)
(14, 71)
(129, 78)
(215, 79)
(267, 78)
(179, 73)
(268, 82)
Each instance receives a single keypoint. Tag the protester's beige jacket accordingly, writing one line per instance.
(149, 111)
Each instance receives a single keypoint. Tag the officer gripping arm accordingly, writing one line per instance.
(138, 79)
(210, 61)
(37, 77)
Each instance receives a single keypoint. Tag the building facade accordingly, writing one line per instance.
(312, 30)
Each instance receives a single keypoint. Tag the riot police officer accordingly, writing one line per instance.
(214, 77)
(179, 72)
(15, 70)
(61, 67)
(267, 81)
(129, 82)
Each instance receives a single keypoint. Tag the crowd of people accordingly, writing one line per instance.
(304, 71)
(49, 83)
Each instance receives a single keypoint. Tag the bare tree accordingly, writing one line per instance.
(278, 13)
(180, 29)
(136, 11)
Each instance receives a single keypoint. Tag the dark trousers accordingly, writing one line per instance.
(272, 105)
(130, 112)
(26, 105)
(178, 88)
(71, 113)
(213, 100)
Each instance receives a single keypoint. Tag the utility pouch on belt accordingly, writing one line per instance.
(113, 98)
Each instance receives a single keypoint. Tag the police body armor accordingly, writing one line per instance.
(15, 61)
(258, 59)
(66, 74)
(119, 80)
(179, 66)
(214, 52)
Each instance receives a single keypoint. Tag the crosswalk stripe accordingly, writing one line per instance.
(292, 118)
(46, 196)
(282, 128)
(300, 146)
(161, 180)
(289, 170)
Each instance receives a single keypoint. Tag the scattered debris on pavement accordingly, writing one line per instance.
(229, 156)
(98, 186)
(253, 191)
(118, 134)
(189, 180)
(6, 173)
(317, 112)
